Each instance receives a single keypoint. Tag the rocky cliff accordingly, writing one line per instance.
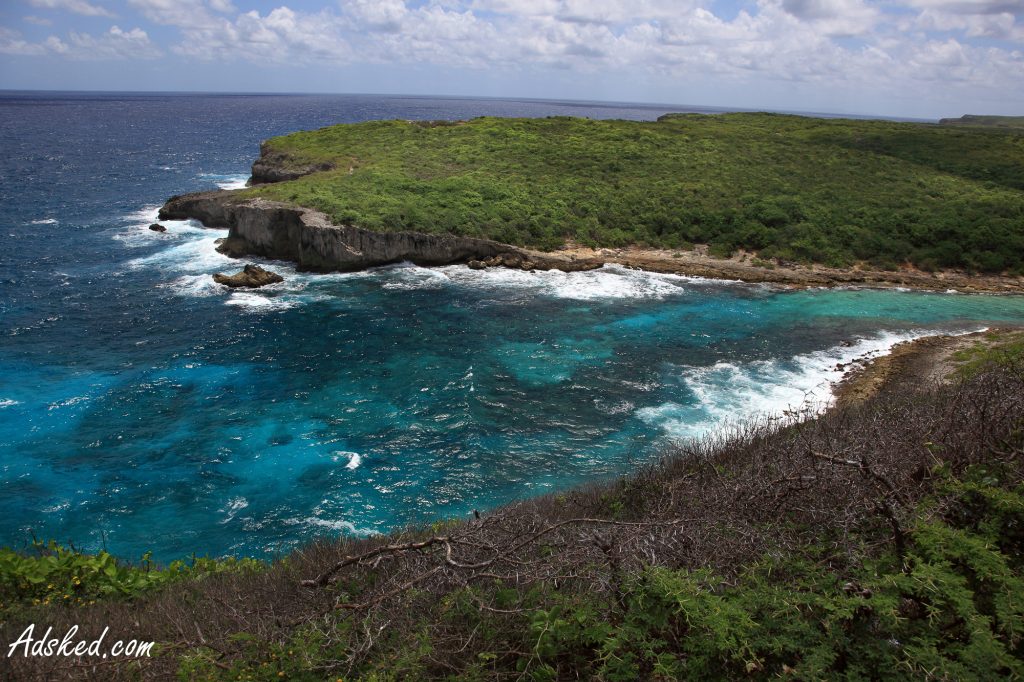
(307, 237)
(277, 166)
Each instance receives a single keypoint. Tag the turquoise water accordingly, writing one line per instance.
(143, 408)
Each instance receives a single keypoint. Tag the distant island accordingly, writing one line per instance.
(993, 121)
(758, 197)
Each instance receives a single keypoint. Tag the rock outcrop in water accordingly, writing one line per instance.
(157, 227)
(307, 237)
(251, 277)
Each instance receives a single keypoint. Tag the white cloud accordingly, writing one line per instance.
(114, 44)
(77, 6)
(38, 21)
(11, 42)
(999, 26)
(282, 36)
(971, 6)
(183, 13)
(835, 17)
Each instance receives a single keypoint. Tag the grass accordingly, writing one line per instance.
(1000, 347)
(790, 188)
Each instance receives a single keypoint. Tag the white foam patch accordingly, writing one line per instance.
(234, 183)
(336, 525)
(193, 255)
(608, 282)
(260, 302)
(727, 394)
(6, 402)
(354, 459)
(227, 180)
(136, 232)
(234, 505)
(195, 286)
(408, 277)
(44, 221)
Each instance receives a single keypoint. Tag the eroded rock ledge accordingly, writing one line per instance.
(307, 237)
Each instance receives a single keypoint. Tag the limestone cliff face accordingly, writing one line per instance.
(307, 237)
(275, 166)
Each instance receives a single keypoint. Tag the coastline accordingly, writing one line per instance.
(924, 362)
(742, 266)
(307, 237)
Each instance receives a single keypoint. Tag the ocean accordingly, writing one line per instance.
(144, 408)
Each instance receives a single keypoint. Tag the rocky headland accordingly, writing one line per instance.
(309, 238)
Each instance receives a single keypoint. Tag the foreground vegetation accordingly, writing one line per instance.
(880, 541)
(795, 189)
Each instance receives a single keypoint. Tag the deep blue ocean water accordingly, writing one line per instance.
(144, 408)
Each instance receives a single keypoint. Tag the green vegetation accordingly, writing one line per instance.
(1001, 347)
(58, 575)
(795, 189)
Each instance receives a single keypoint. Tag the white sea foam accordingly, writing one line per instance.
(335, 524)
(608, 282)
(261, 302)
(238, 182)
(7, 402)
(730, 393)
(70, 402)
(354, 458)
(44, 221)
(227, 181)
(408, 277)
(195, 285)
(136, 232)
(234, 505)
(194, 255)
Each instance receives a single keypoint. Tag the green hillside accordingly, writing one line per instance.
(803, 189)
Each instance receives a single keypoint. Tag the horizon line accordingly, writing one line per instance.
(511, 98)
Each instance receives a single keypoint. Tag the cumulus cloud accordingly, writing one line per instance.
(834, 17)
(182, 13)
(114, 44)
(971, 6)
(281, 36)
(77, 6)
(11, 42)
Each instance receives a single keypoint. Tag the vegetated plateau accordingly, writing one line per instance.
(830, 191)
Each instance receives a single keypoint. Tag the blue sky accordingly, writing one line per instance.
(915, 58)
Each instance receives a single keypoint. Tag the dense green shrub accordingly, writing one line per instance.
(53, 574)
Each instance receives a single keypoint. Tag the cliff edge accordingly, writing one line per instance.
(271, 229)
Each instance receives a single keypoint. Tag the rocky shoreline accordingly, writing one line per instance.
(922, 362)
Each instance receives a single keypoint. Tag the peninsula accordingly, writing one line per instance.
(757, 197)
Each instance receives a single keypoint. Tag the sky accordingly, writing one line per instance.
(909, 58)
